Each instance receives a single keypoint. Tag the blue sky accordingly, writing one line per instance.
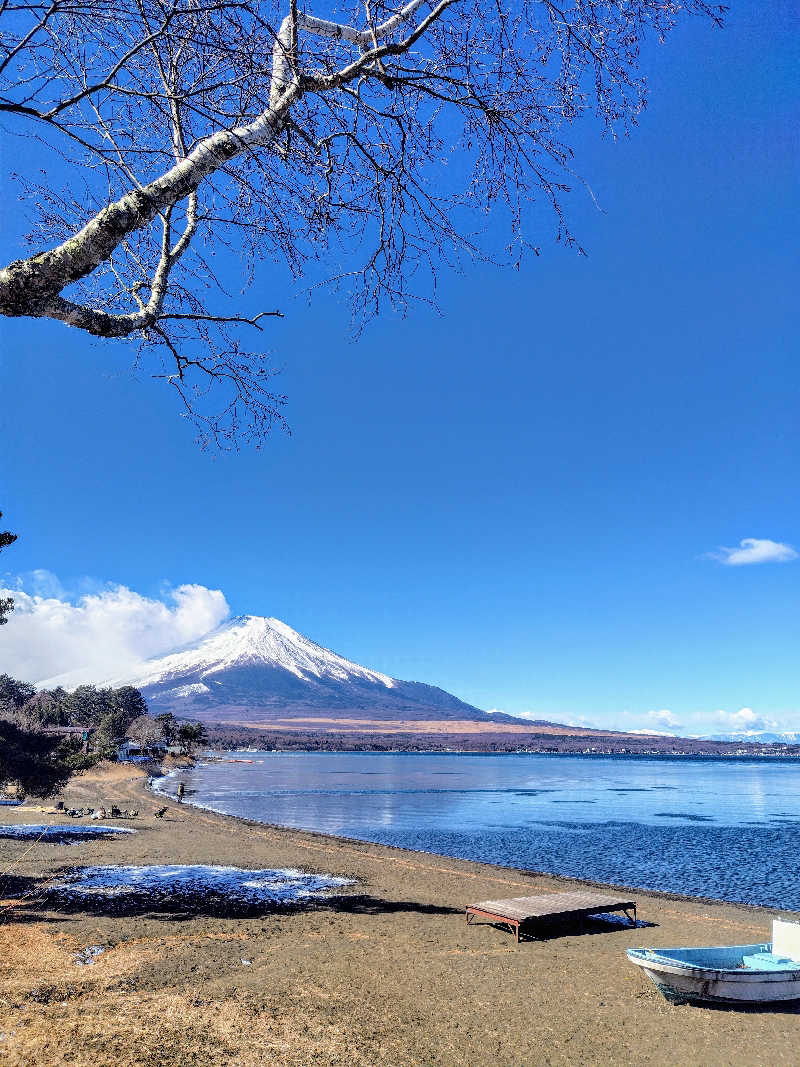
(520, 499)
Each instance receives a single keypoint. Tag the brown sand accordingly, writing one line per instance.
(395, 978)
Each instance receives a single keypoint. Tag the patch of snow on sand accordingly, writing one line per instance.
(87, 956)
(67, 835)
(173, 882)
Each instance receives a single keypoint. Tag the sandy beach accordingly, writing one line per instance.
(387, 972)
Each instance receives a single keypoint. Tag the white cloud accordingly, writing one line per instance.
(664, 718)
(663, 722)
(659, 719)
(99, 635)
(755, 550)
(743, 720)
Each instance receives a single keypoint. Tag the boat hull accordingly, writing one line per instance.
(682, 982)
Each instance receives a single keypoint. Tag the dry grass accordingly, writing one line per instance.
(54, 1012)
(415, 726)
(172, 762)
(111, 774)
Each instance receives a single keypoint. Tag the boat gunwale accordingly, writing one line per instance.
(669, 965)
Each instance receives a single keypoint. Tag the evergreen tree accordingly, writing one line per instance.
(37, 763)
(48, 709)
(190, 735)
(88, 705)
(169, 726)
(129, 701)
(110, 733)
(14, 694)
(6, 603)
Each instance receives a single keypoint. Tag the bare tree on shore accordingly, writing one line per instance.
(372, 137)
(145, 731)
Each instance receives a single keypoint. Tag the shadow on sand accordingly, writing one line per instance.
(41, 900)
(776, 1007)
(552, 929)
(363, 904)
(38, 900)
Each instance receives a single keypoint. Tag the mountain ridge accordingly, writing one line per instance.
(259, 668)
(761, 737)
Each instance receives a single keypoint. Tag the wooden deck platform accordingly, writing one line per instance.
(516, 911)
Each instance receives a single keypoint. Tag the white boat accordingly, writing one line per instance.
(728, 974)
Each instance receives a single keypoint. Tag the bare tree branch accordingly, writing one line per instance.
(373, 140)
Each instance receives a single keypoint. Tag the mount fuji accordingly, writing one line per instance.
(253, 669)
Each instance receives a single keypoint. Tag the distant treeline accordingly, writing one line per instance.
(223, 736)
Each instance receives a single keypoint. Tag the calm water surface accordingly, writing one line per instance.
(728, 829)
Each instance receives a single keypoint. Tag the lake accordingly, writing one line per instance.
(728, 829)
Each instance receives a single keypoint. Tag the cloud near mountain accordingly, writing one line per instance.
(743, 720)
(186, 655)
(94, 635)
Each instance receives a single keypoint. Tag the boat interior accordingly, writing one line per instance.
(780, 954)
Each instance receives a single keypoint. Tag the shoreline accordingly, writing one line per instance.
(526, 871)
(706, 757)
(385, 971)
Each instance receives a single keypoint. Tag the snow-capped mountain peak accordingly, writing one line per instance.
(255, 669)
(252, 641)
(764, 737)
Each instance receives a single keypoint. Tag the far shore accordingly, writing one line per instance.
(387, 972)
(338, 734)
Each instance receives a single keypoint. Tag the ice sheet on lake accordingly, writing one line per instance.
(69, 834)
(177, 883)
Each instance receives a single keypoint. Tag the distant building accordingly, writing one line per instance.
(133, 752)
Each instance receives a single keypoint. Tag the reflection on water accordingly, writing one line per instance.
(728, 829)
